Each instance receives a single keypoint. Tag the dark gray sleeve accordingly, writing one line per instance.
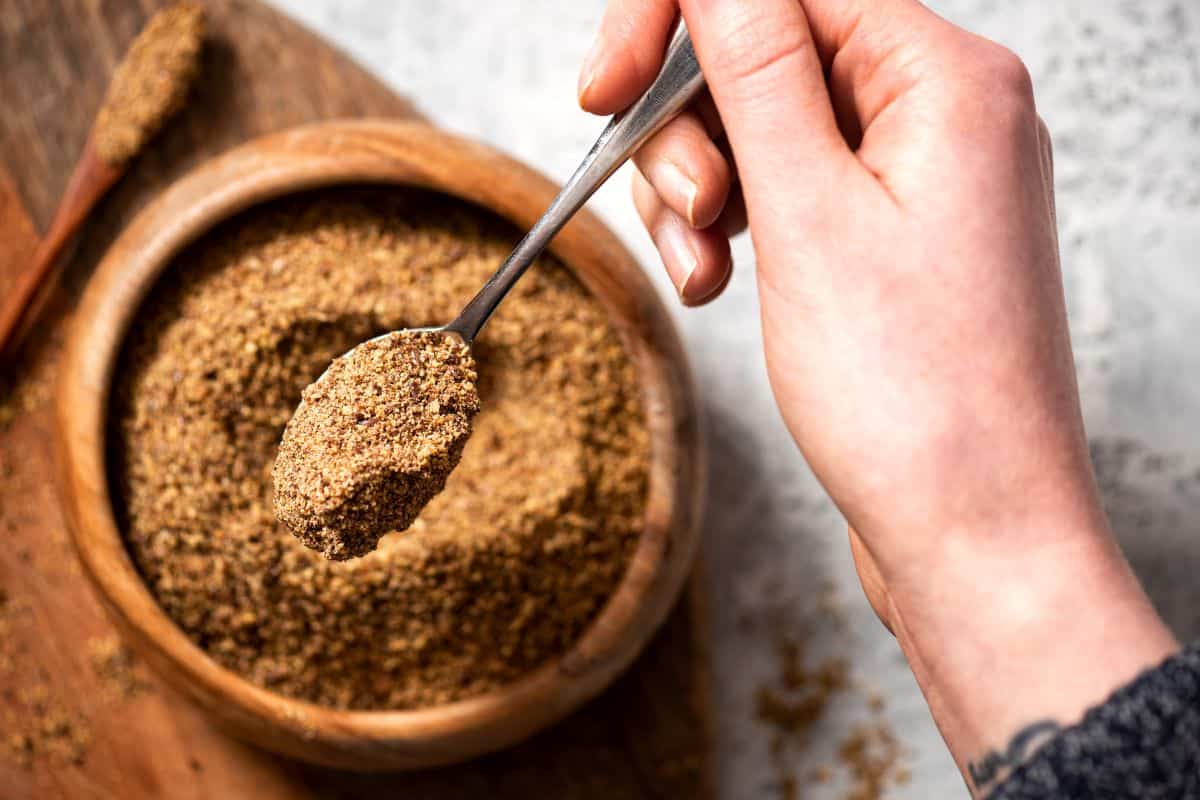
(1143, 743)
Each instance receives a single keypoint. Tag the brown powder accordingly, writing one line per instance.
(113, 665)
(151, 83)
(800, 701)
(373, 440)
(793, 707)
(501, 571)
(49, 731)
(27, 385)
(872, 756)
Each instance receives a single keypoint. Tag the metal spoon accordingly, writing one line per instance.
(677, 84)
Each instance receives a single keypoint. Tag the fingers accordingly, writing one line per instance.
(864, 35)
(733, 219)
(626, 55)
(765, 75)
(684, 179)
(697, 261)
(899, 57)
(706, 109)
(687, 170)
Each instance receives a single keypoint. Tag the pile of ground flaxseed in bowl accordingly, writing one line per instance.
(501, 572)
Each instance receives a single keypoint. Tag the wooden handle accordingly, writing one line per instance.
(18, 309)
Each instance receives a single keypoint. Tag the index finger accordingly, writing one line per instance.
(627, 54)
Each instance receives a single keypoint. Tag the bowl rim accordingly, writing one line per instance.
(401, 153)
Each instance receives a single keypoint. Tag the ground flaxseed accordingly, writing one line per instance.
(795, 706)
(48, 730)
(502, 570)
(113, 664)
(151, 82)
(872, 755)
(374, 439)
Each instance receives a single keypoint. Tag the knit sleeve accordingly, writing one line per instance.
(1143, 742)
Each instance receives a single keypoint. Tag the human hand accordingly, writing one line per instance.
(898, 186)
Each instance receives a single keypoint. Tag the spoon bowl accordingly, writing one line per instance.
(678, 82)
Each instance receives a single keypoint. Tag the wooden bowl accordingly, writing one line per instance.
(412, 154)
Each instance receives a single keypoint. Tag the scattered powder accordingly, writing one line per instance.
(27, 386)
(12, 649)
(113, 664)
(151, 83)
(374, 440)
(794, 705)
(793, 708)
(49, 731)
(872, 756)
(502, 571)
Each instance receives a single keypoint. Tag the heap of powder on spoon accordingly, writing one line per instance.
(374, 440)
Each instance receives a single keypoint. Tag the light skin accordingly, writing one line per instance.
(898, 187)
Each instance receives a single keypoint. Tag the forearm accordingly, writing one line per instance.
(1011, 645)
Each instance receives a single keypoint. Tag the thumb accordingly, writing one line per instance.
(765, 74)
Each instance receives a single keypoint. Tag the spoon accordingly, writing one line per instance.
(677, 84)
(352, 524)
(145, 92)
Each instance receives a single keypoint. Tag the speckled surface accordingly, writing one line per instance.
(1118, 82)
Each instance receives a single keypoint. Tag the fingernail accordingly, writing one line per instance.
(587, 73)
(691, 302)
(669, 179)
(677, 254)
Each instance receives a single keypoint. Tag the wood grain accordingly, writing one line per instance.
(646, 737)
(18, 236)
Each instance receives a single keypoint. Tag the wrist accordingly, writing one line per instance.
(1000, 639)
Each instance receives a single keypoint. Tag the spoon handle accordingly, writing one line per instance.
(677, 84)
(20, 307)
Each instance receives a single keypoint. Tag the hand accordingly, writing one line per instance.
(898, 187)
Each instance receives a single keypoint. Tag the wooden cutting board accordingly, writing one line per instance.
(73, 723)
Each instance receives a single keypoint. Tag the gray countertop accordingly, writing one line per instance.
(1119, 85)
